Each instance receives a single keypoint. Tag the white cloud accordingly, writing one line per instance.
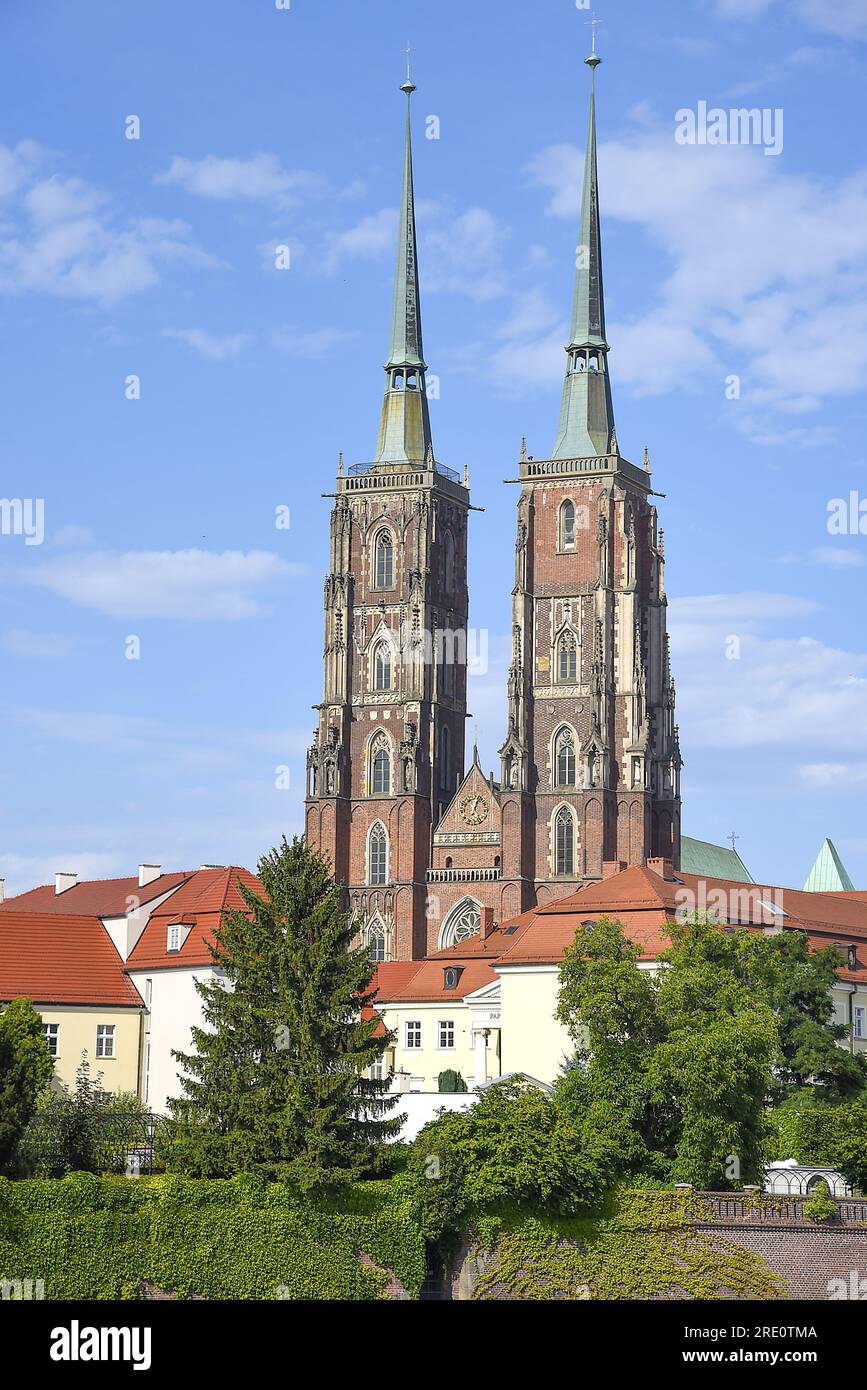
(261, 178)
(838, 558)
(843, 18)
(61, 237)
(165, 584)
(17, 642)
(765, 689)
(213, 346)
(318, 342)
(834, 776)
(753, 262)
(371, 237)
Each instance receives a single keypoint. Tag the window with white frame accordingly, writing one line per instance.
(413, 1035)
(446, 1031)
(105, 1040)
(52, 1036)
(859, 1021)
(173, 940)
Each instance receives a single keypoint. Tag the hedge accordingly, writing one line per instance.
(92, 1237)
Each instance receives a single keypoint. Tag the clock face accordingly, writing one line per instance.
(474, 809)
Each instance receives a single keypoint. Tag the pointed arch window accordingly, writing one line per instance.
(376, 941)
(567, 657)
(564, 759)
(567, 526)
(564, 842)
(383, 560)
(380, 766)
(443, 759)
(464, 921)
(382, 666)
(377, 855)
(449, 563)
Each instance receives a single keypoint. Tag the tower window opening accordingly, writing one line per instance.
(564, 842)
(384, 562)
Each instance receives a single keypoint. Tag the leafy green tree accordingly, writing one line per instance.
(608, 1006)
(26, 1068)
(676, 1063)
(800, 983)
(65, 1135)
(277, 1081)
(514, 1147)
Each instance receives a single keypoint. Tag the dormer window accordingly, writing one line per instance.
(174, 937)
(451, 976)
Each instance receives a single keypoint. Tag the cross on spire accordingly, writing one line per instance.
(594, 25)
(409, 52)
(734, 838)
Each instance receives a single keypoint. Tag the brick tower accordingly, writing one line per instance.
(389, 747)
(592, 746)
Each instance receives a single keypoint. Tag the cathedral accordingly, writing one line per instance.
(432, 852)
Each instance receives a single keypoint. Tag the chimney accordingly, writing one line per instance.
(487, 923)
(64, 881)
(2, 889)
(147, 873)
(610, 867)
(663, 867)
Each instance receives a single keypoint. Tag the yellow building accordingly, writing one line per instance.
(68, 965)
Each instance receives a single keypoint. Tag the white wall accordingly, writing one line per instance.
(176, 1009)
(420, 1107)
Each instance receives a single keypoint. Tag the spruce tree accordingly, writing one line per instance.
(277, 1080)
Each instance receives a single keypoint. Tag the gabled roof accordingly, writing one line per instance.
(199, 904)
(828, 874)
(55, 958)
(426, 984)
(101, 897)
(715, 861)
(646, 904)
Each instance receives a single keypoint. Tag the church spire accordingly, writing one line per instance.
(587, 414)
(404, 433)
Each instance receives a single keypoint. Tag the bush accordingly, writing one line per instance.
(240, 1238)
(513, 1147)
(820, 1206)
(449, 1082)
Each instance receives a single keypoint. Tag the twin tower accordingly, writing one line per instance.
(431, 853)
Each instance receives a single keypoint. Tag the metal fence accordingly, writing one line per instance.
(121, 1143)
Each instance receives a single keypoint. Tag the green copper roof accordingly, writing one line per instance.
(828, 874)
(712, 861)
(404, 434)
(587, 413)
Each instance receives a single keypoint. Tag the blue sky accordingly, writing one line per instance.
(154, 257)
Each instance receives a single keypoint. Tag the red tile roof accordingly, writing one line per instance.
(424, 981)
(101, 897)
(645, 903)
(54, 959)
(199, 904)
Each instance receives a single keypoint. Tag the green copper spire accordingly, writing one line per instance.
(587, 414)
(404, 434)
(828, 874)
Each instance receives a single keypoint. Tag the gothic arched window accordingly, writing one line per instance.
(564, 759)
(383, 560)
(380, 766)
(377, 855)
(376, 941)
(564, 842)
(382, 666)
(567, 657)
(443, 759)
(567, 526)
(449, 563)
(464, 920)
